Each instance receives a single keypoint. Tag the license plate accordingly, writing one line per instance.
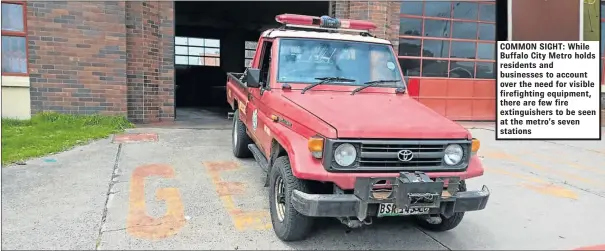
(389, 209)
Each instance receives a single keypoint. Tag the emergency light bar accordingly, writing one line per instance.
(324, 22)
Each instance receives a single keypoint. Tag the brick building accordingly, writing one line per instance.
(136, 58)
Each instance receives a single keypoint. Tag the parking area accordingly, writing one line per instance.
(174, 189)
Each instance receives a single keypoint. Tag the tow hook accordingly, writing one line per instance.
(431, 219)
(353, 223)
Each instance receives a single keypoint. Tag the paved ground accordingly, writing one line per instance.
(187, 191)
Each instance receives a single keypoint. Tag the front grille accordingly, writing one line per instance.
(378, 155)
(425, 154)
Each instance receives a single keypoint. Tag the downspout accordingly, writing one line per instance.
(582, 20)
(509, 15)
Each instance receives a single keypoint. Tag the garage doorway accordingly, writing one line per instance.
(213, 38)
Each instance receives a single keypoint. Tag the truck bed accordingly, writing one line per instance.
(236, 88)
(236, 77)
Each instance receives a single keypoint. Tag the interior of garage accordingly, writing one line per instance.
(213, 38)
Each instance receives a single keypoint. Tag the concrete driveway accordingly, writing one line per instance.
(183, 189)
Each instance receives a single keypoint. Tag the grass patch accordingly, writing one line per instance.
(50, 132)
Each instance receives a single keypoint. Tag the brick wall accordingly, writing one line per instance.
(166, 82)
(102, 57)
(382, 13)
(150, 43)
(77, 57)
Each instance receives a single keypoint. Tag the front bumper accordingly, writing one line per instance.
(409, 190)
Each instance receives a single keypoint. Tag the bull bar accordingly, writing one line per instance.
(408, 191)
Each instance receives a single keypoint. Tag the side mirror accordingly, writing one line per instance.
(253, 78)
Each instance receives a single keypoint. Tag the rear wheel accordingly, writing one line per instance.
(288, 224)
(446, 223)
(239, 138)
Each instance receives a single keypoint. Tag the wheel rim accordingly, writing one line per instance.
(280, 199)
(235, 132)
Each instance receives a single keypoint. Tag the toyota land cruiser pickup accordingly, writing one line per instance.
(324, 111)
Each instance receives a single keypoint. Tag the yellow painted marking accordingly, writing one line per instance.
(229, 188)
(540, 186)
(139, 224)
(572, 164)
(242, 219)
(253, 220)
(554, 190)
(505, 156)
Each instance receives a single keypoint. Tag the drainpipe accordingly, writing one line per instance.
(509, 15)
(582, 20)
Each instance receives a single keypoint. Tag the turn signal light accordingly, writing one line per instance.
(316, 146)
(475, 146)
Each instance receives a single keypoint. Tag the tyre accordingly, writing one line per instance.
(288, 224)
(446, 223)
(239, 138)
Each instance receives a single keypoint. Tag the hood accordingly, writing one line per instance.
(377, 115)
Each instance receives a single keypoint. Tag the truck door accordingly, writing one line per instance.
(258, 111)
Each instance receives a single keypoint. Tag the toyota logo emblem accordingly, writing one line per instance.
(405, 155)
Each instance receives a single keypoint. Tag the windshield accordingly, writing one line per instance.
(304, 60)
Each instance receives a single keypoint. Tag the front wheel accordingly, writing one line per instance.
(446, 224)
(288, 224)
(239, 138)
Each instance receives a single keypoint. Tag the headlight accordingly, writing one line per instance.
(453, 154)
(345, 154)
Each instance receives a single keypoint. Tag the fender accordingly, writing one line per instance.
(304, 166)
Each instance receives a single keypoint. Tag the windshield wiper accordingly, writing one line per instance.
(325, 80)
(373, 83)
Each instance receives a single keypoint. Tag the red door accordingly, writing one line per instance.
(259, 112)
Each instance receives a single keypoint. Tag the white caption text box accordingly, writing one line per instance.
(538, 102)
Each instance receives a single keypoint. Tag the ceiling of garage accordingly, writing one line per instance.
(252, 15)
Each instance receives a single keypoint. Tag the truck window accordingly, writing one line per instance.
(265, 62)
(303, 60)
